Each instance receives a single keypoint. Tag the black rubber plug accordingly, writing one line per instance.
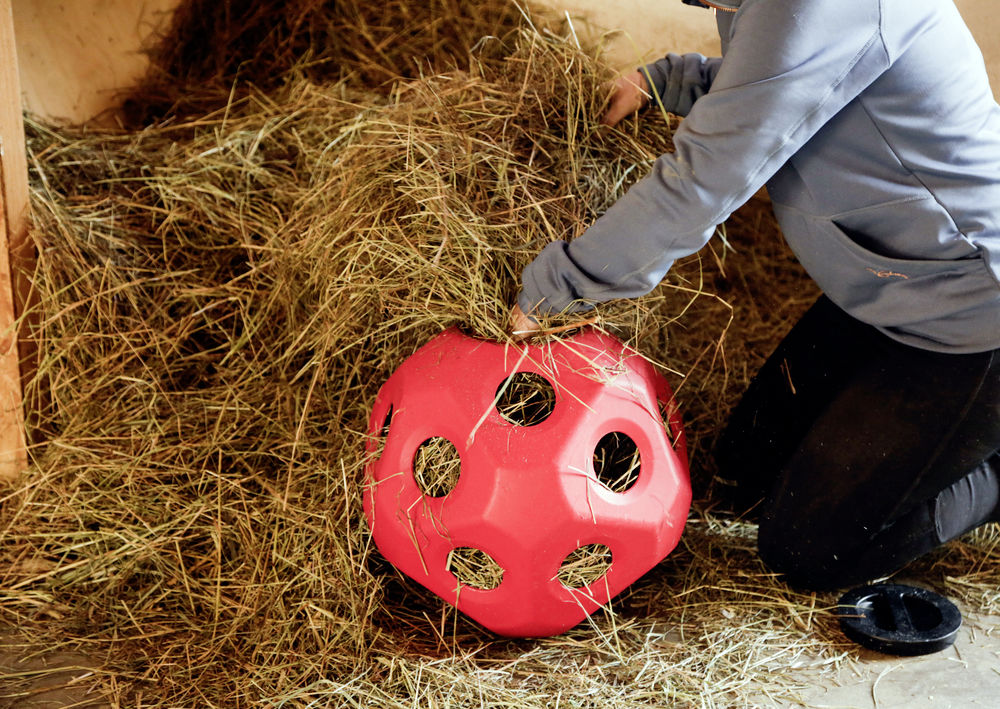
(899, 620)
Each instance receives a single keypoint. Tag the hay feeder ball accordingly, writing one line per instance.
(526, 485)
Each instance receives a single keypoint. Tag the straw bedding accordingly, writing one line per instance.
(225, 283)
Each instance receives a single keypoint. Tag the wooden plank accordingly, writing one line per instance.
(78, 57)
(14, 248)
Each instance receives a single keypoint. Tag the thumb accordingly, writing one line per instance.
(616, 112)
(522, 325)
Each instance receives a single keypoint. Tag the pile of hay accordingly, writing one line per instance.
(224, 289)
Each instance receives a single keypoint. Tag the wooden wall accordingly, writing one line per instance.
(77, 55)
(13, 242)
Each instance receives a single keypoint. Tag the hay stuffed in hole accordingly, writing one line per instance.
(526, 485)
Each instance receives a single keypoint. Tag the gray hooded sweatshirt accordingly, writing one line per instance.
(873, 126)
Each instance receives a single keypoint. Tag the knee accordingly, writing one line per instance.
(803, 560)
(824, 553)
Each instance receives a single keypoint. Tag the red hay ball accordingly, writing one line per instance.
(557, 447)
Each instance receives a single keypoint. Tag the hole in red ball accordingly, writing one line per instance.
(383, 433)
(474, 567)
(525, 399)
(436, 466)
(616, 461)
(585, 565)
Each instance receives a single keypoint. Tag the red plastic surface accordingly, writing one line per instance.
(526, 495)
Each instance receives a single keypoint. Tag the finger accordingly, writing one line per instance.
(521, 324)
(524, 328)
(617, 111)
(622, 107)
(629, 96)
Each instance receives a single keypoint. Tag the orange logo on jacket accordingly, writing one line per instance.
(888, 274)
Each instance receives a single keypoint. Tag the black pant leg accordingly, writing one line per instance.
(959, 508)
(905, 425)
(814, 362)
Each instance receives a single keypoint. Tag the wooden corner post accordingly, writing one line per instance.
(14, 247)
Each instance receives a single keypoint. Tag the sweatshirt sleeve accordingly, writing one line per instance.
(785, 74)
(681, 79)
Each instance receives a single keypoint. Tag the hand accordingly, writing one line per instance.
(521, 325)
(630, 94)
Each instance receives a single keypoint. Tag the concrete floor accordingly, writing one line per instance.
(36, 678)
(965, 676)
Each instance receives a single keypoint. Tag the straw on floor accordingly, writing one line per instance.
(225, 283)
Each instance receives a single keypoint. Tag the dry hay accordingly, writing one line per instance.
(475, 568)
(218, 48)
(585, 565)
(436, 467)
(221, 296)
